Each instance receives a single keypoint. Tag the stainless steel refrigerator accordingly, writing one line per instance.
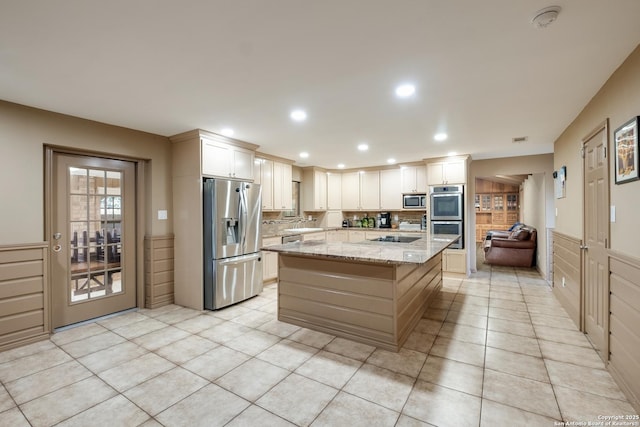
(232, 238)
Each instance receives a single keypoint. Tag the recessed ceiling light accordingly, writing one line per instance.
(405, 90)
(363, 147)
(304, 155)
(341, 166)
(391, 161)
(298, 115)
(440, 136)
(227, 132)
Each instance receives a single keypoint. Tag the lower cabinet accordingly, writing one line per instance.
(270, 260)
(454, 261)
(337, 236)
(321, 235)
(356, 236)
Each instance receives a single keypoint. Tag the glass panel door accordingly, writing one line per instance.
(93, 264)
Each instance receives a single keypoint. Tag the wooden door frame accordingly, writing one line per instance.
(601, 127)
(140, 222)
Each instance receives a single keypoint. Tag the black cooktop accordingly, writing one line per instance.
(396, 239)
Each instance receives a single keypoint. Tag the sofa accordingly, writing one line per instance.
(515, 248)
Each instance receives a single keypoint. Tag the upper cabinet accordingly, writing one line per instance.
(226, 160)
(314, 189)
(282, 188)
(452, 171)
(350, 191)
(390, 191)
(334, 191)
(370, 190)
(275, 179)
(264, 170)
(414, 179)
(361, 190)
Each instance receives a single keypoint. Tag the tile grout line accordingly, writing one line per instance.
(535, 333)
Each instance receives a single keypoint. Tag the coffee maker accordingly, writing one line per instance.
(385, 220)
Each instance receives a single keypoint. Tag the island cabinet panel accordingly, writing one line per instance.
(418, 288)
(374, 303)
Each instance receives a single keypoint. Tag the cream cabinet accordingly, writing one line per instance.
(357, 235)
(361, 190)
(337, 236)
(350, 191)
(320, 235)
(270, 260)
(414, 179)
(264, 170)
(334, 191)
(282, 189)
(314, 190)
(225, 160)
(447, 172)
(370, 190)
(390, 194)
(454, 260)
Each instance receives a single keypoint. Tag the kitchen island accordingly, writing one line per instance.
(374, 292)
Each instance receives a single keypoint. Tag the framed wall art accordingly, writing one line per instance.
(626, 151)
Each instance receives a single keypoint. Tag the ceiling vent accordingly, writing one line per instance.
(544, 17)
(519, 139)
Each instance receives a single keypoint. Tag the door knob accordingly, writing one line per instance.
(584, 247)
(57, 236)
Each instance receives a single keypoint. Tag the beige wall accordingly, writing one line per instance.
(23, 133)
(618, 100)
(533, 213)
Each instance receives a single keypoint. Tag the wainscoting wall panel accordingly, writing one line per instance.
(624, 337)
(158, 266)
(24, 312)
(566, 276)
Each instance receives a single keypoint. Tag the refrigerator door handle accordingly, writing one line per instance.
(238, 260)
(244, 217)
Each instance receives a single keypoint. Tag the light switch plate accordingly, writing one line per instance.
(162, 214)
(613, 213)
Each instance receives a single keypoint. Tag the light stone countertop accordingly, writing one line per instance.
(417, 252)
(321, 229)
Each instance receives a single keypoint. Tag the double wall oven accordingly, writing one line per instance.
(447, 211)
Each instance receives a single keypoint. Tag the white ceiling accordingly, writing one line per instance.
(483, 73)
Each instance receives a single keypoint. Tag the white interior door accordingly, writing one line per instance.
(596, 239)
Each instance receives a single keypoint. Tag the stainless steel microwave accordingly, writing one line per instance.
(414, 201)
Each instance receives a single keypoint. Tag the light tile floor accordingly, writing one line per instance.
(495, 349)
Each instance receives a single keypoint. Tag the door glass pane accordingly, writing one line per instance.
(95, 226)
(77, 180)
(96, 181)
(113, 183)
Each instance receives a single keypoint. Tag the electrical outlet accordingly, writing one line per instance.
(162, 214)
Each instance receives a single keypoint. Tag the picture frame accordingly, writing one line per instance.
(626, 151)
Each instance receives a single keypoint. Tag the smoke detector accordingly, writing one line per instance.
(544, 17)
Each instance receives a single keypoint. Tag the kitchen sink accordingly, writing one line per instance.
(302, 230)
